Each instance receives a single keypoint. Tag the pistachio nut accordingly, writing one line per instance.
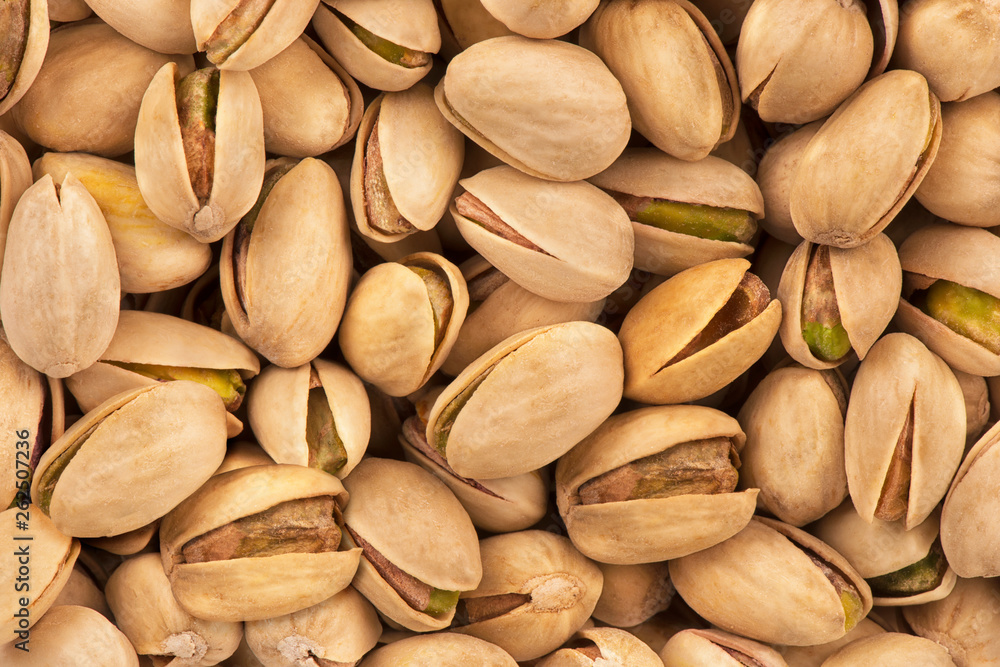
(81, 589)
(444, 649)
(161, 25)
(600, 647)
(537, 591)
(66, 11)
(402, 319)
(901, 566)
(61, 295)
(285, 268)
(385, 44)
(794, 452)
(632, 594)
(22, 47)
(774, 177)
(866, 160)
(527, 401)
(714, 647)
(406, 164)
(310, 104)
(316, 415)
(683, 213)
(837, 300)
(127, 544)
(145, 610)
(697, 332)
(51, 555)
(463, 23)
(953, 305)
(105, 475)
(680, 83)
(975, 391)
(420, 550)
(891, 649)
(231, 555)
(541, 20)
(335, 632)
(515, 221)
(546, 107)
(904, 433)
(966, 622)
(199, 149)
(813, 656)
(497, 505)
(617, 487)
(15, 177)
(797, 61)
(243, 34)
(88, 63)
(72, 635)
(152, 256)
(774, 583)
(243, 454)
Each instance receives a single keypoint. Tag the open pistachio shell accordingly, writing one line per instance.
(632, 594)
(289, 420)
(714, 647)
(161, 25)
(781, 586)
(106, 475)
(705, 316)
(633, 527)
(417, 533)
(595, 647)
(33, 41)
(444, 649)
(72, 635)
(492, 420)
(516, 222)
(891, 649)
(548, 108)
(681, 86)
(541, 20)
(904, 433)
(866, 160)
(775, 175)
(61, 294)
(464, 23)
(245, 585)
(145, 610)
(15, 177)
(966, 622)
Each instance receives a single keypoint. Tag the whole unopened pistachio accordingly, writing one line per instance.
(22, 47)
(632, 594)
(161, 25)
(541, 20)
(72, 635)
(714, 647)
(891, 649)
(443, 649)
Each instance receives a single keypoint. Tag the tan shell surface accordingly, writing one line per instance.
(80, 589)
(666, 55)
(891, 649)
(859, 169)
(548, 108)
(23, 394)
(161, 25)
(124, 475)
(15, 177)
(966, 622)
(962, 353)
(61, 297)
(899, 371)
(127, 544)
(617, 647)
(633, 594)
(541, 20)
(72, 635)
(775, 175)
(575, 366)
(283, 22)
(708, 647)
(813, 656)
(65, 11)
(34, 54)
(584, 262)
(952, 252)
(465, 23)
(445, 649)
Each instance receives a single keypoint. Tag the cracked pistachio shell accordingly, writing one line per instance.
(774, 591)
(72, 635)
(130, 449)
(715, 647)
(867, 281)
(584, 262)
(310, 104)
(389, 331)
(15, 178)
(412, 519)
(866, 160)
(252, 588)
(963, 255)
(666, 319)
(794, 452)
(410, 24)
(634, 531)
(499, 505)
(238, 162)
(161, 25)
(710, 182)
(680, 83)
(278, 408)
(500, 311)
(420, 159)
(337, 631)
(967, 622)
(145, 610)
(560, 585)
(540, 392)
(615, 647)
(35, 46)
(798, 59)
(546, 107)
(546, 20)
(51, 556)
(152, 256)
(775, 174)
(899, 378)
(891, 649)
(632, 594)
(87, 64)
(443, 649)
(60, 298)
(282, 22)
(298, 266)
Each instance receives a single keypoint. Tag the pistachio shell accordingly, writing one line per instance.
(775, 175)
(15, 177)
(34, 53)
(127, 544)
(614, 646)
(541, 20)
(548, 108)
(65, 11)
(445, 649)
(891, 649)
(81, 590)
(813, 656)
(23, 394)
(632, 594)
(72, 635)
(975, 390)
(714, 647)
(966, 622)
(464, 23)
(161, 25)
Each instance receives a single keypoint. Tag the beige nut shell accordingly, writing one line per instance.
(775, 175)
(15, 177)
(617, 647)
(72, 635)
(965, 622)
(891, 649)
(34, 54)
(161, 25)
(709, 647)
(443, 649)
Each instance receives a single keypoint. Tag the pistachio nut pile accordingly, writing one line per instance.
(611, 333)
